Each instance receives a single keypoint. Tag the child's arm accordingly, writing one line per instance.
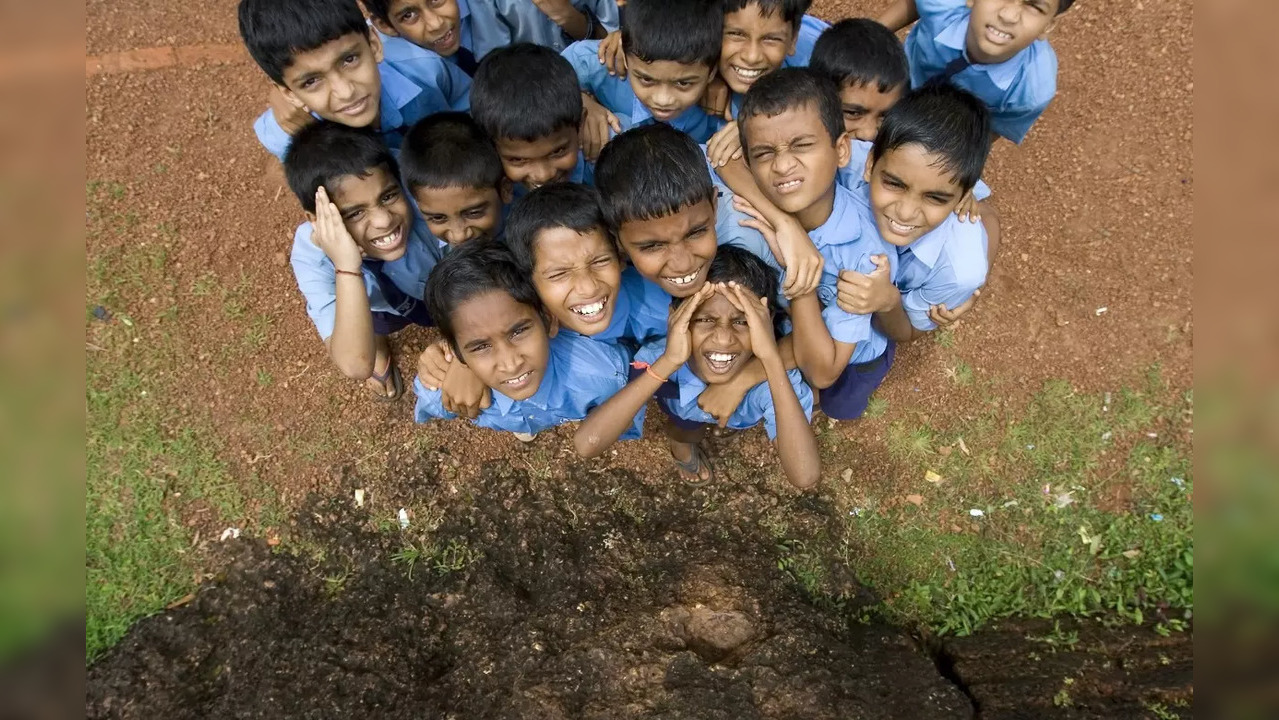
(606, 423)
(821, 357)
(790, 244)
(351, 344)
(875, 294)
(796, 444)
(461, 392)
(898, 15)
(572, 21)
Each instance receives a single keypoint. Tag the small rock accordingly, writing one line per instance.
(915, 499)
(716, 635)
(281, 259)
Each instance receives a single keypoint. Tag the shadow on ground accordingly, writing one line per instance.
(591, 595)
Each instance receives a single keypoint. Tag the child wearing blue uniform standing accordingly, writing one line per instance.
(996, 49)
(362, 258)
(327, 63)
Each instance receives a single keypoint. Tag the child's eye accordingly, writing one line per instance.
(602, 262)
(517, 162)
(704, 320)
(390, 197)
(936, 199)
(310, 83)
(683, 84)
(741, 323)
(559, 152)
(735, 34)
(854, 113)
(350, 59)
(802, 146)
(408, 16)
(556, 277)
(480, 348)
(436, 219)
(893, 184)
(651, 247)
(646, 82)
(476, 214)
(354, 216)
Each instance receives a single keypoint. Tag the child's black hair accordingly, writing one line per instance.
(525, 92)
(325, 151)
(449, 149)
(792, 10)
(649, 172)
(682, 31)
(471, 269)
(946, 121)
(789, 88)
(276, 30)
(735, 264)
(380, 9)
(557, 205)
(1064, 5)
(860, 51)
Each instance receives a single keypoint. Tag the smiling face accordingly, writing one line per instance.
(999, 29)
(674, 251)
(375, 212)
(431, 24)
(534, 163)
(863, 107)
(665, 87)
(911, 193)
(577, 276)
(794, 162)
(339, 80)
(754, 45)
(504, 342)
(720, 340)
(460, 214)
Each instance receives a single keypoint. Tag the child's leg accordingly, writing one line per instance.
(683, 438)
(848, 397)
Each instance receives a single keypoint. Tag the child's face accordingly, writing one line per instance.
(721, 340)
(793, 158)
(504, 342)
(375, 212)
(431, 24)
(539, 162)
(665, 87)
(460, 214)
(577, 276)
(910, 193)
(674, 251)
(864, 107)
(339, 80)
(999, 29)
(754, 45)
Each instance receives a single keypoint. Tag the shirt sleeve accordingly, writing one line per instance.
(981, 190)
(584, 57)
(271, 135)
(1015, 123)
(845, 327)
(429, 405)
(318, 284)
(930, 9)
(951, 285)
(605, 12)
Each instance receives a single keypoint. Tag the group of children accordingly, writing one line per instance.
(728, 206)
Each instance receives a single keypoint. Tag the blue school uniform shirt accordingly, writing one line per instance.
(615, 94)
(853, 175)
(317, 278)
(497, 23)
(415, 83)
(1016, 90)
(944, 266)
(581, 373)
(847, 240)
(756, 406)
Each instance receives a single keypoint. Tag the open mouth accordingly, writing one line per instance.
(788, 186)
(900, 228)
(997, 36)
(518, 383)
(355, 108)
(748, 75)
(719, 362)
(591, 312)
(683, 280)
(445, 42)
(390, 241)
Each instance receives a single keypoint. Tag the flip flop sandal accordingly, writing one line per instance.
(694, 465)
(397, 382)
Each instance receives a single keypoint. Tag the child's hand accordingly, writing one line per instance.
(332, 237)
(463, 394)
(721, 400)
(967, 209)
(862, 294)
(717, 99)
(791, 246)
(612, 55)
(758, 318)
(433, 365)
(945, 318)
(679, 340)
(289, 116)
(725, 145)
(597, 121)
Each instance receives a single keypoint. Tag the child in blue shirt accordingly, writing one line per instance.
(996, 49)
(465, 31)
(526, 98)
(362, 258)
(930, 150)
(326, 62)
(761, 36)
(794, 139)
(452, 170)
(672, 48)
(712, 336)
(489, 313)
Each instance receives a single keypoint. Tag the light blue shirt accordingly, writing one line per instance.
(616, 94)
(847, 240)
(581, 373)
(853, 175)
(415, 83)
(945, 266)
(317, 278)
(757, 405)
(497, 23)
(1016, 90)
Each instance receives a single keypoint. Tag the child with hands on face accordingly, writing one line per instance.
(712, 335)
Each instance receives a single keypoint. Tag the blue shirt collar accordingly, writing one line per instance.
(541, 398)
(927, 249)
(397, 92)
(842, 226)
(690, 386)
(464, 25)
(955, 37)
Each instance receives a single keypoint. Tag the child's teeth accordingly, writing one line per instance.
(684, 280)
(744, 72)
(720, 357)
(591, 309)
